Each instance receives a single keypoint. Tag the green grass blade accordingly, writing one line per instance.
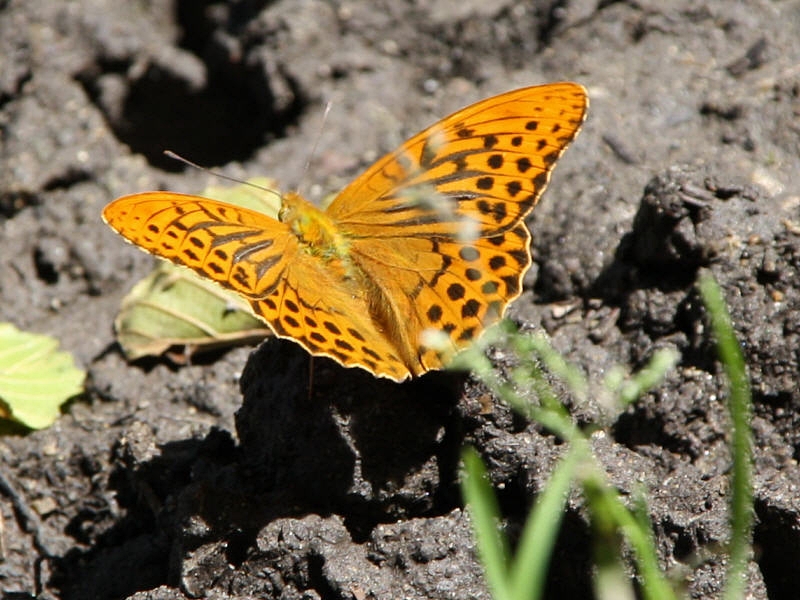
(529, 569)
(730, 355)
(662, 361)
(485, 514)
(606, 502)
(558, 366)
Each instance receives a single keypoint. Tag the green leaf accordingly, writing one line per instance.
(35, 377)
(174, 307)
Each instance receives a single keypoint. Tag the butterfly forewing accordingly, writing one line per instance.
(487, 163)
(239, 248)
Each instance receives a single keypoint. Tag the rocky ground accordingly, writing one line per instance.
(224, 478)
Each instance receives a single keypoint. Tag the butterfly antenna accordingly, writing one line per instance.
(307, 166)
(194, 165)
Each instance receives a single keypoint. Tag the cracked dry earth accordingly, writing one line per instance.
(223, 478)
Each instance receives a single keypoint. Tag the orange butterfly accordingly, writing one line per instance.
(411, 261)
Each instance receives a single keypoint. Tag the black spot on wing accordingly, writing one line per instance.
(465, 132)
(495, 161)
(434, 313)
(455, 291)
(497, 262)
(540, 181)
(356, 334)
(470, 308)
(332, 328)
(484, 183)
(343, 345)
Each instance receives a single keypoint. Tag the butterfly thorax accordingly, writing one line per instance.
(315, 230)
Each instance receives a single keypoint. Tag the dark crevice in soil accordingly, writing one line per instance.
(237, 546)
(777, 538)
(66, 180)
(200, 19)
(317, 580)
(115, 571)
(22, 79)
(13, 202)
(227, 119)
(363, 517)
(552, 21)
(570, 564)
(45, 269)
(146, 491)
(640, 428)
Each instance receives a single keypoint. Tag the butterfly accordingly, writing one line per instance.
(409, 263)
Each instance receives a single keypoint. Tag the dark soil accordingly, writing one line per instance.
(224, 478)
